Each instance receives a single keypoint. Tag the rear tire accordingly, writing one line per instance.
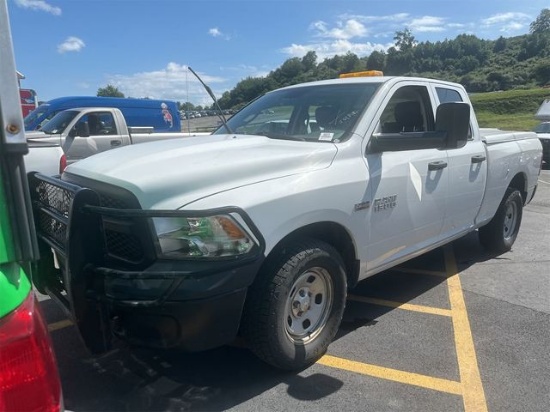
(501, 232)
(295, 307)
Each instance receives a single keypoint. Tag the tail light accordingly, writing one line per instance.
(62, 163)
(29, 380)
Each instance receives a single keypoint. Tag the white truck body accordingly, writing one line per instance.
(78, 142)
(44, 157)
(369, 195)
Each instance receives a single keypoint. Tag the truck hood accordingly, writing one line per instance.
(172, 173)
(37, 135)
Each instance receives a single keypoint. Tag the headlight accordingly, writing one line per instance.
(201, 237)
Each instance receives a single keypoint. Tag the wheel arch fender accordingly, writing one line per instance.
(333, 233)
(519, 182)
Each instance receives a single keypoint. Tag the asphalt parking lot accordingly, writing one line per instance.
(454, 330)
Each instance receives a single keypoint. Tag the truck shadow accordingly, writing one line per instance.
(134, 379)
(409, 283)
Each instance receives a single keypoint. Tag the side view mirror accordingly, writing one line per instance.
(453, 118)
(81, 129)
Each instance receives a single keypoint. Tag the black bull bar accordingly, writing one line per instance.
(70, 245)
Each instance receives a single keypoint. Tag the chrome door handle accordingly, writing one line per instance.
(116, 142)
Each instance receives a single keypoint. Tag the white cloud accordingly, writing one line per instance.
(398, 17)
(39, 5)
(505, 18)
(427, 24)
(71, 44)
(242, 71)
(329, 49)
(215, 32)
(173, 82)
(343, 30)
(508, 22)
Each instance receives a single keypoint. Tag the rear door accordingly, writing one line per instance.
(410, 186)
(467, 172)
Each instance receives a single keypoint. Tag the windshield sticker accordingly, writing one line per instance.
(326, 136)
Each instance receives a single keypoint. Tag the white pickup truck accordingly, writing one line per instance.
(82, 132)
(261, 228)
(45, 157)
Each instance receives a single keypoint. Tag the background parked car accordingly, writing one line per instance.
(543, 132)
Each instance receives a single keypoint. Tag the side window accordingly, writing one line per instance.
(448, 95)
(100, 123)
(409, 110)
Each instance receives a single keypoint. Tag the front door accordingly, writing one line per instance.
(409, 187)
(103, 136)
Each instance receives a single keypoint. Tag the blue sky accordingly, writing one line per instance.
(143, 47)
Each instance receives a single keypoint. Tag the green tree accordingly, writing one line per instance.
(404, 40)
(109, 91)
(399, 62)
(542, 72)
(541, 24)
(500, 45)
(376, 61)
(309, 61)
(187, 106)
(351, 63)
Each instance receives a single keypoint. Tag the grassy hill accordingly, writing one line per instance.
(509, 110)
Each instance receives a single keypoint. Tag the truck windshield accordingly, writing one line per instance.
(326, 113)
(59, 122)
(544, 127)
(31, 119)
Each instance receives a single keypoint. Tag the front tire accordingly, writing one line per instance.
(501, 232)
(295, 307)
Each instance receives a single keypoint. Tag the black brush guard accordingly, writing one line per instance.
(64, 270)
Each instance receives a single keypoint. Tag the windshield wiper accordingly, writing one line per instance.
(281, 136)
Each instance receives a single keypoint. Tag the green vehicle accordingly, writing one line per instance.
(29, 379)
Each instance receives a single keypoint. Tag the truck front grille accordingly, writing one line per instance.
(53, 212)
(123, 246)
(125, 240)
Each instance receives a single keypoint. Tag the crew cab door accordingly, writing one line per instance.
(467, 172)
(409, 184)
(93, 133)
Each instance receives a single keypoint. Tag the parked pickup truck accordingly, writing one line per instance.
(543, 132)
(260, 231)
(45, 157)
(85, 131)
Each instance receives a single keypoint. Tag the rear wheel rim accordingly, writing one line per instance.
(308, 305)
(510, 220)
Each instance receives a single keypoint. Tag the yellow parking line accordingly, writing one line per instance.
(470, 378)
(400, 305)
(438, 384)
(59, 325)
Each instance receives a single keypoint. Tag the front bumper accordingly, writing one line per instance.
(110, 281)
(177, 305)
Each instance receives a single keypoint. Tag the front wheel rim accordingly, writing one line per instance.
(510, 219)
(308, 305)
